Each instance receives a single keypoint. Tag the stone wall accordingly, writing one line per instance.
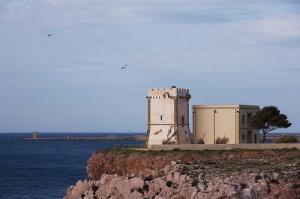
(224, 146)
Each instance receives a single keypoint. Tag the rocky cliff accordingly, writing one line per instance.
(191, 174)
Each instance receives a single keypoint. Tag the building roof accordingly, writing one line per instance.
(241, 106)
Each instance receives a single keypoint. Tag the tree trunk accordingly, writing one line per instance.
(264, 136)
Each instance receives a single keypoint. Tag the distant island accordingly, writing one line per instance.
(112, 137)
(134, 137)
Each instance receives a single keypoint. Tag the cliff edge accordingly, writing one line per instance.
(190, 174)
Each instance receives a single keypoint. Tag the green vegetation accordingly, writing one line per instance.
(223, 140)
(204, 153)
(200, 141)
(268, 119)
(287, 139)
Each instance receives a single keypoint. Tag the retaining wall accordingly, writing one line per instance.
(223, 146)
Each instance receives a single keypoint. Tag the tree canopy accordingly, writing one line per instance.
(268, 119)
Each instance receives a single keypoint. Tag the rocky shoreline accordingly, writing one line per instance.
(191, 174)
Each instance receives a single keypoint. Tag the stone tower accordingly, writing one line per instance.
(168, 116)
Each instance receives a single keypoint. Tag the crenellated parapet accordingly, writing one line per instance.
(173, 92)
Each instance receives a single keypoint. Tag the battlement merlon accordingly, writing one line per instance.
(157, 93)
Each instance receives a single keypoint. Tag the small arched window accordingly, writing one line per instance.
(182, 121)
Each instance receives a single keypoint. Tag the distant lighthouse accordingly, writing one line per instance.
(34, 135)
(168, 116)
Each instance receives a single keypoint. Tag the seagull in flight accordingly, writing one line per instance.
(49, 34)
(124, 67)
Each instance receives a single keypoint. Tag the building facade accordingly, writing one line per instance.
(211, 122)
(168, 116)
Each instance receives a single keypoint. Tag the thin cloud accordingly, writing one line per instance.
(207, 45)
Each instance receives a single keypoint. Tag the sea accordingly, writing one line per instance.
(44, 169)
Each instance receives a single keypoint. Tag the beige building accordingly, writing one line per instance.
(168, 116)
(211, 122)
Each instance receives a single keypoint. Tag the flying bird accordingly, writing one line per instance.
(49, 34)
(124, 67)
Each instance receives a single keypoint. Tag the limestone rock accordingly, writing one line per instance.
(194, 177)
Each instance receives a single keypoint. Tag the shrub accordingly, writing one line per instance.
(168, 142)
(223, 140)
(200, 141)
(287, 139)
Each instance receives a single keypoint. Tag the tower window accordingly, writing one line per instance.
(243, 119)
(182, 121)
(161, 117)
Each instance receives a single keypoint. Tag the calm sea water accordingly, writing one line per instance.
(44, 169)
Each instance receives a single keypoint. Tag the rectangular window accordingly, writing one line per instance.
(243, 119)
(249, 117)
(243, 137)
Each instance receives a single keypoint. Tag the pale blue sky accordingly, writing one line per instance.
(224, 51)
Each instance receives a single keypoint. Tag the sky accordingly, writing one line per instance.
(224, 51)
